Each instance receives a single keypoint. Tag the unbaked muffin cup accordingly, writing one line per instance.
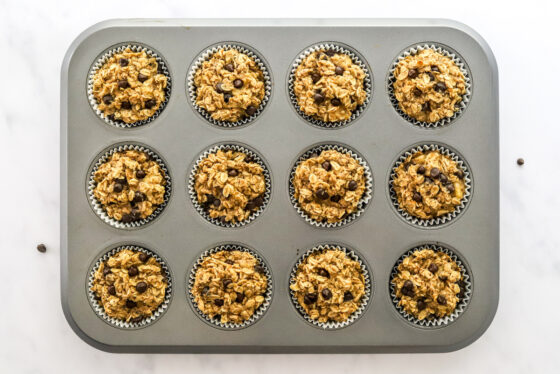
(206, 55)
(368, 287)
(136, 47)
(357, 59)
(238, 148)
(432, 222)
(261, 310)
(364, 201)
(463, 302)
(91, 184)
(97, 306)
(446, 51)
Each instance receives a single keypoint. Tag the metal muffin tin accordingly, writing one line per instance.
(279, 234)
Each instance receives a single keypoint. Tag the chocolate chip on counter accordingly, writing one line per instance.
(443, 178)
(140, 174)
(123, 62)
(326, 293)
(42, 248)
(417, 197)
(132, 271)
(318, 98)
(323, 272)
(348, 296)
(259, 269)
(330, 52)
(226, 282)
(142, 78)
(106, 270)
(441, 300)
(126, 105)
(352, 186)
(127, 218)
(229, 67)
(107, 99)
(117, 187)
(205, 290)
(435, 68)
(421, 305)
(433, 268)
(137, 319)
(138, 197)
(440, 86)
(229, 262)
(219, 302)
(322, 194)
(141, 287)
(421, 170)
(426, 107)
(431, 76)
(227, 96)
(238, 83)
(150, 104)
(143, 257)
(326, 165)
(232, 172)
(111, 290)
(123, 84)
(412, 73)
(520, 161)
(450, 187)
(335, 198)
(338, 70)
(310, 298)
(216, 202)
(315, 77)
(250, 110)
(434, 173)
(417, 92)
(130, 304)
(239, 298)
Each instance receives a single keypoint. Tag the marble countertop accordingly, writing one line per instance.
(34, 336)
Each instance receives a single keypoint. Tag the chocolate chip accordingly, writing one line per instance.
(417, 197)
(226, 282)
(216, 203)
(327, 294)
(150, 104)
(426, 107)
(138, 197)
(112, 290)
(459, 173)
(123, 84)
(412, 73)
(238, 83)
(450, 187)
(127, 218)
(310, 298)
(137, 319)
(435, 68)
(433, 268)
(330, 52)
(143, 257)
(107, 99)
(443, 278)
(130, 304)
(219, 302)
(209, 199)
(352, 186)
(323, 272)
(140, 174)
(106, 270)
(258, 201)
(431, 76)
(520, 161)
(417, 92)
(250, 110)
(336, 102)
(205, 290)
(338, 70)
(132, 271)
(123, 62)
(229, 262)
(440, 86)
(259, 269)
(232, 172)
(318, 98)
(434, 173)
(421, 170)
(348, 296)
(322, 194)
(239, 298)
(227, 96)
(217, 317)
(117, 187)
(229, 67)
(122, 181)
(441, 300)
(326, 165)
(126, 105)
(142, 78)
(42, 248)
(443, 178)
(421, 305)
(408, 284)
(135, 213)
(315, 77)
(335, 198)
(141, 287)
(219, 88)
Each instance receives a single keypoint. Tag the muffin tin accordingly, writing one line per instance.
(279, 135)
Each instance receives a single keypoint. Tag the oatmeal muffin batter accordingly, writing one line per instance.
(429, 184)
(428, 86)
(329, 186)
(130, 285)
(229, 286)
(329, 285)
(129, 87)
(229, 86)
(429, 284)
(230, 186)
(329, 86)
(130, 186)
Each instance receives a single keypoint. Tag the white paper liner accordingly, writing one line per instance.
(432, 222)
(206, 55)
(368, 286)
(356, 59)
(98, 207)
(259, 312)
(227, 147)
(446, 51)
(136, 47)
(98, 306)
(366, 197)
(461, 305)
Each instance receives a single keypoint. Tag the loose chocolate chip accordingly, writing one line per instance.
(450, 187)
(417, 92)
(330, 52)
(130, 304)
(141, 287)
(315, 77)
(440, 86)
(140, 174)
(112, 290)
(352, 186)
(323, 272)
(348, 296)
(412, 73)
(107, 99)
(123, 62)
(216, 202)
(138, 197)
(459, 173)
(117, 187)
(336, 102)
(42, 248)
(443, 178)
(219, 302)
(327, 294)
(250, 110)
(205, 290)
(132, 271)
(335, 198)
(106, 270)
(426, 107)
(232, 172)
(322, 194)
(318, 98)
(421, 170)
(259, 269)
(421, 305)
(229, 67)
(142, 78)
(150, 104)
(238, 83)
(434, 173)
(310, 298)
(126, 105)
(227, 96)
(137, 319)
(431, 76)
(433, 268)
(326, 165)
(338, 70)
(143, 257)
(239, 298)
(123, 84)
(229, 262)
(441, 300)
(520, 161)
(435, 68)
(417, 197)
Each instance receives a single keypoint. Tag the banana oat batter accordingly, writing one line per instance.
(329, 285)
(329, 186)
(130, 186)
(230, 186)
(429, 86)
(229, 286)
(429, 184)
(429, 284)
(130, 285)
(229, 86)
(329, 86)
(130, 86)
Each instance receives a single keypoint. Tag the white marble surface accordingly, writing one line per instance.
(34, 336)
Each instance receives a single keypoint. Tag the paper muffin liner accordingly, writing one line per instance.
(462, 304)
(91, 184)
(368, 286)
(438, 221)
(446, 51)
(357, 59)
(206, 55)
(364, 201)
(136, 47)
(98, 306)
(259, 312)
(255, 158)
